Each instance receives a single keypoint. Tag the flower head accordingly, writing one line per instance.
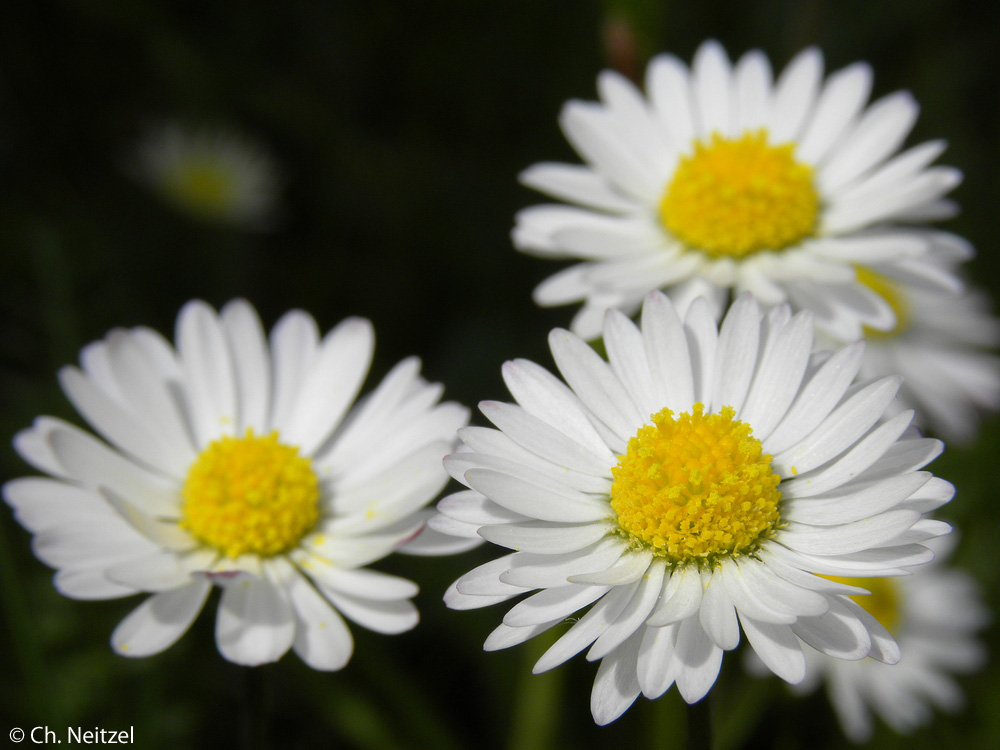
(701, 480)
(214, 176)
(719, 180)
(240, 462)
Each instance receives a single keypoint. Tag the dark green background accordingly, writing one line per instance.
(400, 129)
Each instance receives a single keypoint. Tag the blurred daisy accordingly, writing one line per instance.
(939, 345)
(718, 180)
(210, 175)
(241, 463)
(934, 615)
(758, 468)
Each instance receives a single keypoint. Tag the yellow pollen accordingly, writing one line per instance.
(884, 603)
(891, 292)
(250, 495)
(696, 487)
(735, 197)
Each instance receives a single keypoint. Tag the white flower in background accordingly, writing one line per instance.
(934, 616)
(939, 345)
(213, 175)
(239, 462)
(720, 181)
(695, 483)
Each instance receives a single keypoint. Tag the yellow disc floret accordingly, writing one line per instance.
(695, 487)
(735, 197)
(891, 292)
(884, 603)
(250, 495)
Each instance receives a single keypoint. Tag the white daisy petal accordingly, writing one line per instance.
(160, 620)
(667, 84)
(752, 83)
(616, 686)
(575, 184)
(695, 661)
(717, 614)
(587, 629)
(536, 502)
(591, 378)
(504, 636)
(255, 624)
(253, 370)
(208, 372)
(736, 354)
(533, 434)
(545, 536)
(552, 604)
(843, 96)
(632, 615)
(794, 95)
(879, 133)
(710, 74)
(777, 647)
(666, 350)
(655, 656)
(340, 366)
(387, 617)
(836, 633)
(680, 599)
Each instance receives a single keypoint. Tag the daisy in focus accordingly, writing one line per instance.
(934, 616)
(235, 461)
(719, 181)
(214, 176)
(940, 345)
(700, 481)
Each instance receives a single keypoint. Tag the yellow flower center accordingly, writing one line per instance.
(735, 197)
(695, 487)
(202, 186)
(250, 495)
(884, 603)
(891, 292)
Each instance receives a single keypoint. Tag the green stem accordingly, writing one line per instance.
(537, 699)
(699, 726)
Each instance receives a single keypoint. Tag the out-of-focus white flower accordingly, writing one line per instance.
(934, 616)
(213, 175)
(719, 181)
(237, 461)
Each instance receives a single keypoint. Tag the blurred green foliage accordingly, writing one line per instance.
(400, 129)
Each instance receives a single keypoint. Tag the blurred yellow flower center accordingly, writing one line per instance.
(884, 603)
(250, 495)
(201, 185)
(736, 196)
(888, 290)
(695, 487)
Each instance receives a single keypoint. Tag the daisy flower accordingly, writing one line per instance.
(699, 481)
(239, 462)
(212, 175)
(934, 615)
(719, 181)
(939, 345)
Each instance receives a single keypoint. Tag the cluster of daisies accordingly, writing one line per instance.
(756, 258)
